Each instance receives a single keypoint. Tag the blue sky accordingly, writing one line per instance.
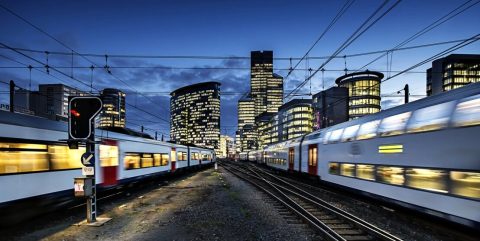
(219, 28)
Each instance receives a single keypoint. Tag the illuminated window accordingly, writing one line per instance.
(430, 118)
(390, 175)
(432, 180)
(366, 172)
(108, 155)
(347, 169)
(312, 155)
(62, 157)
(182, 156)
(147, 160)
(131, 161)
(465, 184)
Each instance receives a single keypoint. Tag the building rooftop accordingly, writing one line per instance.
(190, 88)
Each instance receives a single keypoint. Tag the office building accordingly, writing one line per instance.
(363, 92)
(57, 100)
(453, 71)
(266, 88)
(195, 115)
(226, 146)
(296, 119)
(330, 107)
(113, 112)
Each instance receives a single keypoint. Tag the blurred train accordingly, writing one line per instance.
(424, 155)
(37, 169)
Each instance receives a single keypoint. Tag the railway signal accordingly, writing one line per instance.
(81, 114)
(82, 111)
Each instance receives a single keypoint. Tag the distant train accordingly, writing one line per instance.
(424, 155)
(37, 169)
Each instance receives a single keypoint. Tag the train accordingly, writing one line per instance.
(37, 168)
(423, 155)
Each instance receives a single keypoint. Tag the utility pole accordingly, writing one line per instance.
(12, 93)
(407, 93)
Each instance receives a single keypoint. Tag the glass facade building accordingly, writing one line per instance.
(195, 115)
(266, 88)
(246, 116)
(363, 92)
(296, 119)
(453, 71)
(113, 112)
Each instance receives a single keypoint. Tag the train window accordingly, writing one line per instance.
(393, 125)
(61, 157)
(164, 159)
(131, 161)
(157, 159)
(312, 155)
(366, 172)
(335, 136)
(195, 156)
(427, 179)
(108, 155)
(182, 156)
(350, 132)
(347, 169)
(23, 157)
(390, 175)
(147, 160)
(333, 168)
(368, 130)
(430, 118)
(467, 112)
(465, 184)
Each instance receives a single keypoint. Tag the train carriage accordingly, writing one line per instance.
(423, 155)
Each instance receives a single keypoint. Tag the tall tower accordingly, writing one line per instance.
(266, 88)
(195, 115)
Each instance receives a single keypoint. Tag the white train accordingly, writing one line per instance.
(423, 155)
(36, 168)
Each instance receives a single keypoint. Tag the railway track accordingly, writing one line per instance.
(330, 222)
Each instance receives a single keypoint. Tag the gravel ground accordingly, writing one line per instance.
(208, 205)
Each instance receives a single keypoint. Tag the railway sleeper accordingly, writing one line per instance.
(357, 238)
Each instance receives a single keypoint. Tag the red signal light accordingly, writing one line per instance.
(75, 113)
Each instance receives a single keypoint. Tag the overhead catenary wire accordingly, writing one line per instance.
(71, 49)
(428, 28)
(366, 25)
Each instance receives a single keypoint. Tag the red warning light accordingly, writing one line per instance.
(74, 113)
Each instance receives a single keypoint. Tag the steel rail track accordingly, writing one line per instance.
(334, 221)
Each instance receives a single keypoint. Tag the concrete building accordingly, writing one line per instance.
(363, 92)
(113, 112)
(57, 100)
(296, 119)
(453, 71)
(330, 107)
(195, 115)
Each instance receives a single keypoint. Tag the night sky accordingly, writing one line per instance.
(218, 28)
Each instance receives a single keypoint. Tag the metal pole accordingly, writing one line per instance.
(12, 93)
(407, 93)
(92, 200)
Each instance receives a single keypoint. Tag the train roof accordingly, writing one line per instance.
(452, 95)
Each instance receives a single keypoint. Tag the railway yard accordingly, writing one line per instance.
(238, 201)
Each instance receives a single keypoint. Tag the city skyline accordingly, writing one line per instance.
(96, 30)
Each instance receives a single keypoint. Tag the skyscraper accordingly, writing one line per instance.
(57, 99)
(113, 112)
(195, 115)
(266, 88)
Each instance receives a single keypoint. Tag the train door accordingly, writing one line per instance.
(109, 162)
(173, 157)
(291, 158)
(312, 159)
